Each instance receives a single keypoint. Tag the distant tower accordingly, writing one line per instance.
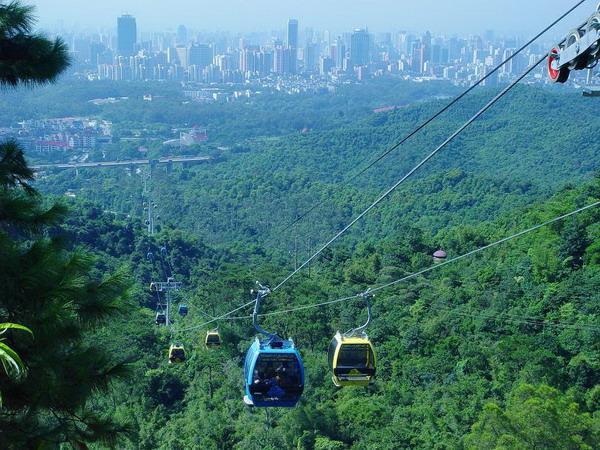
(200, 55)
(340, 53)
(126, 35)
(182, 35)
(426, 45)
(360, 48)
(292, 43)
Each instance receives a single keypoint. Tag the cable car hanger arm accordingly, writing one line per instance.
(261, 293)
(367, 295)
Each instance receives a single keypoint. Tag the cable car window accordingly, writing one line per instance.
(356, 356)
(276, 376)
(213, 339)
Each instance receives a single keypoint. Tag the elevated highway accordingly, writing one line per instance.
(124, 163)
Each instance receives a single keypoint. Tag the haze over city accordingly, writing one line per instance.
(462, 16)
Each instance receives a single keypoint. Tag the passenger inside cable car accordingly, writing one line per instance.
(277, 377)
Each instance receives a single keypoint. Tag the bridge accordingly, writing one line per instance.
(125, 163)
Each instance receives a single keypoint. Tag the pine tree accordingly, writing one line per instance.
(46, 286)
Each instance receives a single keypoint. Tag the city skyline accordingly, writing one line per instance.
(466, 16)
(356, 55)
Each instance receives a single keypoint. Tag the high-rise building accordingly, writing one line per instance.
(417, 58)
(360, 48)
(292, 43)
(325, 65)
(183, 56)
(126, 35)
(200, 55)
(264, 62)
(426, 45)
(182, 35)
(292, 33)
(493, 79)
(310, 58)
(282, 58)
(340, 53)
(249, 59)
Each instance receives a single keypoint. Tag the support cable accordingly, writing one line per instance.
(412, 171)
(412, 276)
(437, 114)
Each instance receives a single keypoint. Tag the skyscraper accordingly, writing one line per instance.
(183, 55)
(292, 43)
(340, 53)
(281, 60)
(311, 57)
(360, 48)
(182, 35)
(126, 35)
(200, 55)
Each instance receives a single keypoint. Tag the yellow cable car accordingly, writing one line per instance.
(352, 360)
(351, 356)
(176, 354)
(213, 339)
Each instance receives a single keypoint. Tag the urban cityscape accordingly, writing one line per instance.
(294, 60)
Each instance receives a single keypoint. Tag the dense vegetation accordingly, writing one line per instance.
(497, 351)
(251, 192)
(468, 358)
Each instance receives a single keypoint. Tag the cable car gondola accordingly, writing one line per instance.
(273, 369)
(183, 310)
(212, 339)
(176, 354)
(351, 356)
(161, 318)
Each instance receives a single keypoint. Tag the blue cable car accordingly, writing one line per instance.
(183, 310)
(273, 369)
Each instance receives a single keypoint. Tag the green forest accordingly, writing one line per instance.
(496, 350)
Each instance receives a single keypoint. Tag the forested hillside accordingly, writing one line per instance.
(468, 356)
(504, 160)
(492, 343)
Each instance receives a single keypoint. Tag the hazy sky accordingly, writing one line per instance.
(463, 16)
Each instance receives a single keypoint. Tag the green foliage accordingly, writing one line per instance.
(507, 338)
(11, 361)
(450, 349)
(27, 58)
(46, 287)
(535, 417)
(51, 291)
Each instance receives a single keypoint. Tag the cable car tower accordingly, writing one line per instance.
(578, 51)
(166, 287)
(150, 216)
